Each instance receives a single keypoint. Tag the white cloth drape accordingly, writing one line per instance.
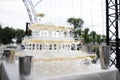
(10, 71)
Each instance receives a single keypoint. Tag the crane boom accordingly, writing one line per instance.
(31, 11)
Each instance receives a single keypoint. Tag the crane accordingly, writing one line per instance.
(31, 10)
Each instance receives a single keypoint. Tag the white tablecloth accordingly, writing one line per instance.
(10, 71)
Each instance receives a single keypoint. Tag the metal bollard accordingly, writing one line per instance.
(21, 65)
(28, 65)
(104, 56)
(9, 55)
(25, 66)
(12, 56)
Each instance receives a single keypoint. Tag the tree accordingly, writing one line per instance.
(1, 34)
(19, 35)
(99, 40)
(93, 36)
(77, 23)
(103, 38)
(9, 34)
(86, 36)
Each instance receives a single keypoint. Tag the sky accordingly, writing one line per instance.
(13, 13)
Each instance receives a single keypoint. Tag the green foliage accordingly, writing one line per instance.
(103, 38)
(8, 33)
(1, 34)
(93, 36)
(77, 23)
(95, 48)
(86, 36)
(77, 34)
(19, 35)
(99, 39)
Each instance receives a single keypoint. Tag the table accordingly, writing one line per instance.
(10, 72)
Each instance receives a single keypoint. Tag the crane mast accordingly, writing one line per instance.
(31, 11)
